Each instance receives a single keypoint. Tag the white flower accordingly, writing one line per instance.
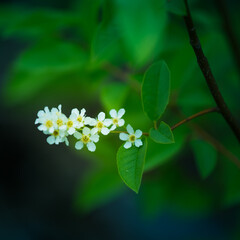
(88, 137)
(46, 119)
(60, 120)
(132, 138)
(78, 118)
(116, 118)
(57, 137)
(101, 124)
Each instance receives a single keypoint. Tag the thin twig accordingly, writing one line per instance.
(215, 109)
(206, 70)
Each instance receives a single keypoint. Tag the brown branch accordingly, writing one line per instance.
(215, 109)
(208, 75)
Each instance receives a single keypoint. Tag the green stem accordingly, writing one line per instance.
(155, 124)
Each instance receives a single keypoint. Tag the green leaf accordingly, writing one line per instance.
(205, 157)
(130, 164)
(156, 90)
(176, 7)
(114, 95)
(163, 135)
(158, 154)
(142, 24)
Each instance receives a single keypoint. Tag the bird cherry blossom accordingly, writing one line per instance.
(132, 138)
(101, 124)
(88, 137)
(117, 120)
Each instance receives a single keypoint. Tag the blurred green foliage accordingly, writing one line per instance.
(94, 55)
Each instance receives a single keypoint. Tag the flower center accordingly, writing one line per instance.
(85, 139)
(70, 123)
(115, 121)
(49, 123)
(79, 118)
(132, 138)
(55, 133)
(59, 122)
(99, 125)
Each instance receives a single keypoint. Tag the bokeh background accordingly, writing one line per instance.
(93, 54)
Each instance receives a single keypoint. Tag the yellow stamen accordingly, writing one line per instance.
(100, 125)
(115, 121)
(49, 123)
(55, 133)
(132, 138)
(79, 118)
(59, 122)
(69, 123)
(85, 139)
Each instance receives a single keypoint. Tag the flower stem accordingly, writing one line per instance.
(155, 124)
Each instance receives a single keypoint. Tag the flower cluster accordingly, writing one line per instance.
(84, 128)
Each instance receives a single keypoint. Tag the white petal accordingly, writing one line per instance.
(57, 140)
(138, 133)
(123, 136)
(113, 127)
(73, 117)
(42, 128)
(113, 113)
(51, 130)
(94, 131)
(79, 145)
(95, 138)
(138, 143)
(54, 110)
(105, 131)
(86, 131)
(37, 121)
(51, 140)
(121, 112)
(77, 135)
(75, 111)
(90, 121)
(101, 116)
(83, 111)
(91, 146)
(71, 131)
(121, 122)
(130, 129)
(60, 108)
(40, 113)
(127, 145)
(46, 109)
(66, 141)
(79, 124)
(107, 122)
(63, 127)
